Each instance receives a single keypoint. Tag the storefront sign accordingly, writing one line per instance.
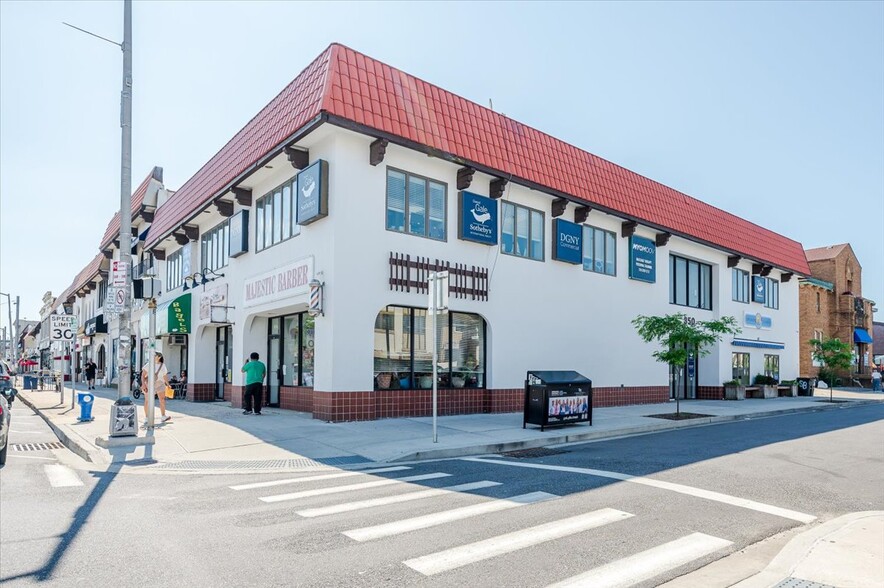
(95, 325)
(759, 285)
(238, 225)
(567, 241)
(313, 193)
(216, 296)
(756, 320)
(285, 282)
(642, 259)
(478, 218)
(173, 316)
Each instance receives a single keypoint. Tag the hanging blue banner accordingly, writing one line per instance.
(759, 288)
(642, 259)
(567, 241)
(312, 194)
(477, 220)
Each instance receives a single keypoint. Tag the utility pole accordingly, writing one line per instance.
(125, 346)
(17, 330)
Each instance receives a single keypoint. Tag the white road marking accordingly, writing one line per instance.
(318, 478)
(647, 564)
(456, 557)
(61, 476)
(680, 488)
(351, 487)
(435, 519)
(407, 497)
(31, 457)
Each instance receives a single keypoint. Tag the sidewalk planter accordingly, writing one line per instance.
(735, 392)
(768, 391)
(788, 390)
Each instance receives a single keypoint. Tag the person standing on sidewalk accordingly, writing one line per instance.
(90, 374)
(255, 372)
(160, 381)
(876, 381)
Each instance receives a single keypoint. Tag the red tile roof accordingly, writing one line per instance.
(113, 227)
(86, 274)
(354, 88)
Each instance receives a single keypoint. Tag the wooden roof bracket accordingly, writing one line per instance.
(299, 158)
(627, 229)
(733, 260)
(581, 213)
(465, 177)
(377, 150)
(558, 207)
(661, 239)
(243, 196)
(497, 187)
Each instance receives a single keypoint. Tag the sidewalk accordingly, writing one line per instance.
(207, 436)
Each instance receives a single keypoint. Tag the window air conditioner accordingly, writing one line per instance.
(177, 339)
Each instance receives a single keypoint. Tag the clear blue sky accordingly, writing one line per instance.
(772, 111)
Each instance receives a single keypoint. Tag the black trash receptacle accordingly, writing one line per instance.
(554, 398)
(806, 386)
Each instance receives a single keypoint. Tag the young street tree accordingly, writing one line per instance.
(836, 357)
(677, 333)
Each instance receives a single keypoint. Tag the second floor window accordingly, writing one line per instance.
(740, 285)
(690, 283)
(772, 294)
(175, 269)
(215, 247)
(275, 218)
(416, 205)
(599, 251)
(102, 293)
(522, 231)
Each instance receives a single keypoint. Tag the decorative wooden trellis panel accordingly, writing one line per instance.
(410, 274)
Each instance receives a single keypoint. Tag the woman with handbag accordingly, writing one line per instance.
(160, 383)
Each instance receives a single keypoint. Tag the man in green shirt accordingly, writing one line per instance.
(255, 372)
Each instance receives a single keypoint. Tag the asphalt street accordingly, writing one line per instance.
(660, 505)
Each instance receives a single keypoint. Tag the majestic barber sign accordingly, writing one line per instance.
(284, 282)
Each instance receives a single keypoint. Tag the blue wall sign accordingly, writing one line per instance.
(642, 259)
(313, 193)
(692, 366)
(757, 321)
(567, 241)
(477, 220)
(759, 287)
(238, 225)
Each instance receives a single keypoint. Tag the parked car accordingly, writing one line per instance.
(7, 395)
(6, 376)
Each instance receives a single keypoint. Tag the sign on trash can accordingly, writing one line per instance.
(554, 398)
(123, 419)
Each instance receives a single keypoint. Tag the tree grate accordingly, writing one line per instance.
(36, 446)
(531, 453)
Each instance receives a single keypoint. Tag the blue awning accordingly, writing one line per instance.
(861, 336)
(758, 344)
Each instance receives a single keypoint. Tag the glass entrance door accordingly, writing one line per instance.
(274, 362)
(683, 378)
(222, 360)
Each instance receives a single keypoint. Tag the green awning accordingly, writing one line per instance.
(173, 316)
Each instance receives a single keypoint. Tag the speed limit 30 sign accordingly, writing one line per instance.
(62, 327)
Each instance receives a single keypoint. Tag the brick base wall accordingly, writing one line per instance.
(201, 392)
(710, 392)
(623, 396)
(296, 398)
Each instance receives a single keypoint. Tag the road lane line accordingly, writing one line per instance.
(318, 478)
(456, 557)
(61, 476)
(680, 488)
(407, 497)
(351, 487)
(440, 518)
(647, 564)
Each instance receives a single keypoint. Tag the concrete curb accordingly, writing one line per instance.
(799, 547)
(74, 445)
(452, 452)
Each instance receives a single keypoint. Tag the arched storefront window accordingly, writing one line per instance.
(102, 359)
(403, 350)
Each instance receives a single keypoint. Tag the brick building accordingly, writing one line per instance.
(831, 305)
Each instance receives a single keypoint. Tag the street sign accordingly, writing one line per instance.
(115, 298)
(119, 270)
(62, 327)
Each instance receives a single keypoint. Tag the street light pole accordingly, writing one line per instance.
(125, 346)
(9, 351)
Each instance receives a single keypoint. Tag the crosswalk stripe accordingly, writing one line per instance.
(351, 487)
(318, 478)
(440, 518)
(407, 497)
(680, 488)
(456, 557)
(647, 564)
(61, 476)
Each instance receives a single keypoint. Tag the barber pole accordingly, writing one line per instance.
(314, 307)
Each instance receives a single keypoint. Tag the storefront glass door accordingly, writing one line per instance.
(274, 362)
(222, 360)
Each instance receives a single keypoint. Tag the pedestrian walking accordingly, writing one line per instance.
(160, 381)
(876, 381)
(90, 374)
(254, 394)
